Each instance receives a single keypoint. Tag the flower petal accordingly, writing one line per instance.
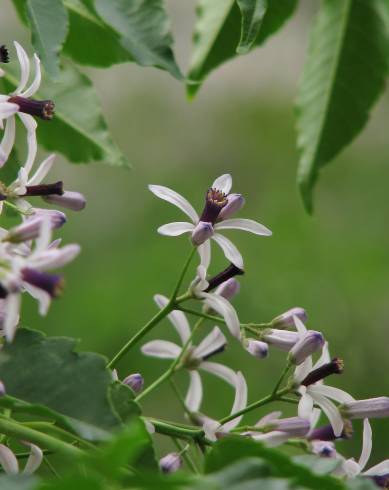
(230, 251)
(30, 125)
(8, 460)
(302, 370)
(331, 411)
(243, 224)
(240, 402)
(195, 392)
(43, 169)
(325, 357)
(24, 67)
(8, 139)
(162, 349)
(225, 309)
(41, 296)
(379, 469)
(177, 318)
(223, 372)
(367, 444)
(305, 406)
(223, 183)
(55, 258)
(12, 315)
(336, 394)
(300, 327)
(175, 229)
(37, 79)
(272, 439)
(34, 460)
(174, 198)
(204, 251)
(214, 341)
(268, 418)
(314, 419)
(210, 427)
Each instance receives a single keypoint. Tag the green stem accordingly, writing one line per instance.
(60, 432)
(51, 468)
(175, 431)
(173, 367)
(180, 397)
(281, 378)
(157, 317)
(140, 334)
(15, 208)
(263, 401)
(288, 399)
(22, 432)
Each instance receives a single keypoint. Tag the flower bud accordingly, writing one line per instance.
(370, 408)
(306, 346)
(202, 232)
(2, 389)
(235, 202)
(170, 463)
(228, 289)
(294, 426)
(31, 228)
(69, 200)
(324, 449)
(8, 460)
(286, 319)
(257, 348)
(282, 339)
(134, 381)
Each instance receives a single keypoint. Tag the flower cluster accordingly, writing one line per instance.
(305, 386)
(27, 253)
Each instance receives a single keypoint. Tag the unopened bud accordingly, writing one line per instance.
(294, 426)
(282, 339)
(235, 202)
(228, 289)
(31, 228)
(305, 347)
(324, 449)
(69, 200)
(202, 232)
(370, 408)
(170, 463)
(2, 389)
(286, 320)
(257, 348)
(134, 381)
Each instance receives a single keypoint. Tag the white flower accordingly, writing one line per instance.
(319, 394)
(195, 358)
(216, 302)
(211, 221)
(24, 269)
(11, 105)
(351, 468)
(10, 464)
(212, 428)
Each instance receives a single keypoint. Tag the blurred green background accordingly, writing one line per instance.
(335, 263)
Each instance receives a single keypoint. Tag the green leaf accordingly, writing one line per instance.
(232, 449)
(144, 28)
(343, 76)
(46, 371)
(122, 400)
(100, 44)
(49, 26)
(221, 27)
(321, 466)
(79, 482)
(252, 12)
(78, 129)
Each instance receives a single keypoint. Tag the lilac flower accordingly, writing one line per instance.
(286, 319)
(351, 468)
(170, 463)
(212, 220)
(195, 358)
(319, 394)
(19, 102)
(135, 381)
(212, 428)
(257, 348)
(25, 269)
(10, 464)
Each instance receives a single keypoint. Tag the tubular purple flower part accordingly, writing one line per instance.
(306, 346)
(69, 200)
(221, 279)
(52, 284)
(135, 381)
(336, 366)
(286, 319)
(326, 433)
(170, 463)
(370, 408)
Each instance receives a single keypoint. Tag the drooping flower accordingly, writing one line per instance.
(25, 269)
(10, 464)
(212, 220)
(352, 468)
(212, 428)
(19, 102)
(195, 358)
(319, 394)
